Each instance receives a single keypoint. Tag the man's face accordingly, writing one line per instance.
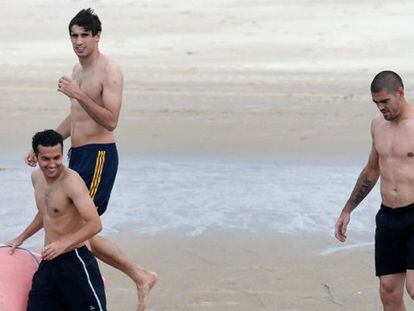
(83, 42)
(50, 160)
(388, 103)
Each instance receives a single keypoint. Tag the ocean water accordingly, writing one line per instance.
(196, 196)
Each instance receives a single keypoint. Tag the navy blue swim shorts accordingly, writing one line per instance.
(71, 281)
(97, 164)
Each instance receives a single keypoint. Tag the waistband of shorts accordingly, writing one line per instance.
(397, 210)
(94, 147)
(81, 250)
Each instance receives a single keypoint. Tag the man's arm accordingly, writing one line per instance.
(31, 229)
(112, 85)
(64, 128)
(366, 181)
(78, 193)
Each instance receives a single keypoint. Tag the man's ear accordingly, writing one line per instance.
(400, 91)
(98, 36)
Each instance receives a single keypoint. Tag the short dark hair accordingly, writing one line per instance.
(46, 138)
(386, 80)
(87, 19)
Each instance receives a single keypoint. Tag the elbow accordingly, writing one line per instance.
(111, 126)
(373, 172)
(98, 227)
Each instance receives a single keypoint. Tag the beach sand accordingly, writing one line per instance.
(231, 271)
(257, 80)
(239, 271)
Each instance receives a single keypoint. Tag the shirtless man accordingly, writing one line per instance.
(95, 93)
(392, 159)
(68, 277)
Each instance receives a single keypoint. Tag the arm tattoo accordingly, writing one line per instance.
(362, 190)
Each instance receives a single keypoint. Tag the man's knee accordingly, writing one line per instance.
(390, 294)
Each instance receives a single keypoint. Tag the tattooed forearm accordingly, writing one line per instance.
(361, 190)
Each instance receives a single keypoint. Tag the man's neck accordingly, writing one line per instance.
(406, 113)
(89, 61)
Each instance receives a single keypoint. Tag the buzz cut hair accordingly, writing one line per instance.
(386, 80)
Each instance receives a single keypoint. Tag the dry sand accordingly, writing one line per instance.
(261, 79)
(245, 78)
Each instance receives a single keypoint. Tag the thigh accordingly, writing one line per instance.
(410, 243)
(43, 296)
(82, 286)
(390, 248)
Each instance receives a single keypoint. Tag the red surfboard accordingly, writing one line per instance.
(16, 273)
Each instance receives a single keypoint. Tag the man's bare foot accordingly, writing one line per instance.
(146, 283)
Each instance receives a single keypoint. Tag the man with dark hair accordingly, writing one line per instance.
(95, 93)
(386, 80)
(391, 159)
(87, 20)
(47, 138)
(68, 278)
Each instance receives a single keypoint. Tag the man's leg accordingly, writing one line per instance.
(97, 165)
(410, 283)
(391, 291)
(109, 253)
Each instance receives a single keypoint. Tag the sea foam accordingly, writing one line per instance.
(194, 197)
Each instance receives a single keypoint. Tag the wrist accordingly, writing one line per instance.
(19, 240)
(80, 97)
(64, 244)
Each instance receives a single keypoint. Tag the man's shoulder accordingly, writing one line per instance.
(110, 66)
(36, 174)
(377, 120)
(77, 68)
(71, 178)
(72, 182)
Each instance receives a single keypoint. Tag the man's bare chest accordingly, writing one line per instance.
(396, 143)
(51, 200)
(90, 84)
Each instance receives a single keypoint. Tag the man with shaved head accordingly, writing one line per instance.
(392, 161)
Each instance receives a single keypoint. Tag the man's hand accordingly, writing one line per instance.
(341, 225)
(52, 250)
(30, 158)
(69, 87)
(14, 244)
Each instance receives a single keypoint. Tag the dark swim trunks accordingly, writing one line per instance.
(394, 240)
(97, 164)
(71, 281)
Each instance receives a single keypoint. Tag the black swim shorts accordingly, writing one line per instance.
(71, 281)
(394, 240)
(97, 164)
